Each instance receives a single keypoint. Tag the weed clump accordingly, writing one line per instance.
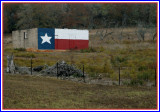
(93, 49)
(136, 82)
(26, 55)
(20, 49)
(100, 49)
(89, 50)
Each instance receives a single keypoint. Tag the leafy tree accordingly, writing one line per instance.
(10, 17)
(24, 16)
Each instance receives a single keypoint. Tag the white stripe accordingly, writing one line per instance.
(71, 34)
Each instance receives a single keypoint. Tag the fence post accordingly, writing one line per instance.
(83, 74)
(31, 65)
(119, 76)
(57, 70)
(155, 76)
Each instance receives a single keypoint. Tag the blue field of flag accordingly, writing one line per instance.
(46, 38)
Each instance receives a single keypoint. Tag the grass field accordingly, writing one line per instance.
(22, 91)
(102, 58)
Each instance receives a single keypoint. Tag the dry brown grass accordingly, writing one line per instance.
(47, 92)
(106, 53)
(42, 92)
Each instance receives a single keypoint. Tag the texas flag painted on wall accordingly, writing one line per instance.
(46, 38)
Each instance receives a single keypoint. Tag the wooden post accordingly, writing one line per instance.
(57, 70)
(83, 74)
(31, 65)
(155, 77)
(119, 76)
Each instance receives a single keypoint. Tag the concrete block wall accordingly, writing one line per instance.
(30, 42)
(16, 39)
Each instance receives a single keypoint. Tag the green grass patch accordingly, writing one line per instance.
(89, 50)
(25, 55)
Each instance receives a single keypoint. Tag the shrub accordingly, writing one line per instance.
(114, 76)
(100, 49)
(83, 61)
(136, 82)
(77, 75)
(126, 83)
(146, 75)
(20, 49)
(142, 68)
(114, 83)
(91, 49)
(10, 50)
(107, 67)
(93, 75)
(27, 55)
(133, 73)
(121, 59)
(22, 62)
(113, 60)
(126, 73)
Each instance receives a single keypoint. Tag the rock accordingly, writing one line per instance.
(23, 70)
(38, 68)
(63, 70)
(10, 64)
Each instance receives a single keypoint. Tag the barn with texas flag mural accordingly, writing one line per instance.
(51, 38)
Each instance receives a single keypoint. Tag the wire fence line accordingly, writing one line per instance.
(120, 72)
(142, 73)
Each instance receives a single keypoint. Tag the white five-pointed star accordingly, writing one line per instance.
(46, 39)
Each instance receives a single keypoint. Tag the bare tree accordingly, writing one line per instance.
(124, 19)
(120, 31)
(152, 32)
(104, 33)
(141, 31)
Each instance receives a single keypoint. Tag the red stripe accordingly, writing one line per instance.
(71, 44)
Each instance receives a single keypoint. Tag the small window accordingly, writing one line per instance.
(25, 35)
